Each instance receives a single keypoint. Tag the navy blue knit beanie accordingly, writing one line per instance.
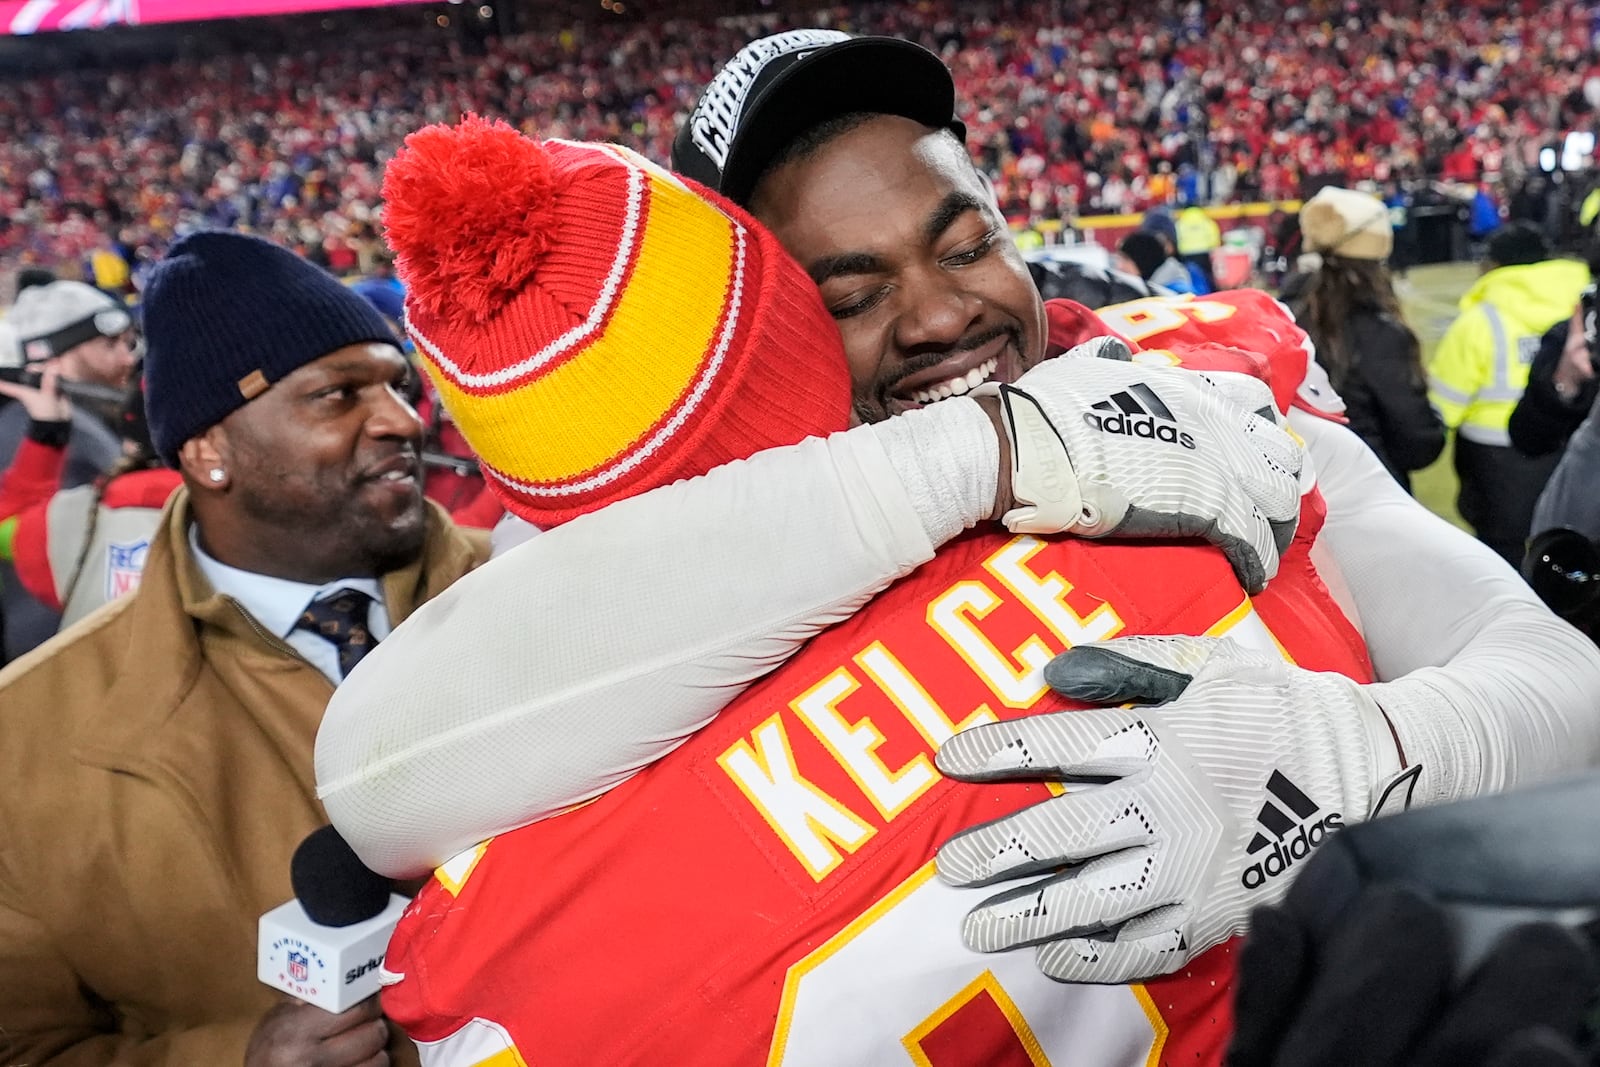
(225, 316)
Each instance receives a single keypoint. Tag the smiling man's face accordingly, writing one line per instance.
(914, 263)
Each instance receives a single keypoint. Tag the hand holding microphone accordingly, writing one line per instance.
(297, 1034)
(325, 948)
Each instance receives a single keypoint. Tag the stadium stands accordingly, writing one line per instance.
(1074, 106)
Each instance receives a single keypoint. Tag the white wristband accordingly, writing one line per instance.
(948, 459)
(1043, 482)
(1433, 735)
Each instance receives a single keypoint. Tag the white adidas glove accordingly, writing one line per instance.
(1103, 447)
(1196, 811)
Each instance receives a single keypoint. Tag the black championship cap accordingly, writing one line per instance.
(778, 87)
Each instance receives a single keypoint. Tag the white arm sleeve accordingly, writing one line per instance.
(1485, 688)
(558, 670)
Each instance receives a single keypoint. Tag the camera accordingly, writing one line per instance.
(24, 375)
(1563, 567)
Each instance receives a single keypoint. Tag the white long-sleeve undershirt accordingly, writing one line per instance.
(1486, 688)
(558, 670)
(554, 673)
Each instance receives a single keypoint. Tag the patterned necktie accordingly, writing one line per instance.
(341, 620)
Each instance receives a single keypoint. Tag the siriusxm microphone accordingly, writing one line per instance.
(326, 946)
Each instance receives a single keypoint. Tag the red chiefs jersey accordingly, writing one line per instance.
(766, 893)
(1262, 333)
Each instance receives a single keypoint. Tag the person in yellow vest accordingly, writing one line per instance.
(1198, 236)
(1589, 210)
(1028, 240)
(1479, 372)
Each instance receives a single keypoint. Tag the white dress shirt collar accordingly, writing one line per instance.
(276, 603)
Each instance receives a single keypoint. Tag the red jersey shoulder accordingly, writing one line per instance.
(710, 892)
(141, 489)
(1243, 330)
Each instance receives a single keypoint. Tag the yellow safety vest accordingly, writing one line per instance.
(1590, 208)
(1480, 369)
(1198, 233)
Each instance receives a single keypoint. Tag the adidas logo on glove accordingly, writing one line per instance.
(1137, 412)
(1308, 831)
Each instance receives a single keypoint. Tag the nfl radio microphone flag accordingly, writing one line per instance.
(326, 946)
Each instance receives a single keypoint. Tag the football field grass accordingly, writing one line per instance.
(1428, 297)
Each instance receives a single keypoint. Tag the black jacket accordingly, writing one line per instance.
(1091, 286)
(1542, 421)
(1385, 395)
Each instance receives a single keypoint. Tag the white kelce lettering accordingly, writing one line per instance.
(955, 614)
(1046, 595)
(855, 745)
(915, 702)
(810, 822)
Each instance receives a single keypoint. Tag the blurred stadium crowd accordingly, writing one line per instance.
(1075, 107)
(790, 419)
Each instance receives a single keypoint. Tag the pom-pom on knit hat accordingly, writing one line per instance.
(1344, 222)
(596, 326)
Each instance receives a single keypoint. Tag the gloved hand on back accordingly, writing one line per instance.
(1178, 818)
(1103, 447)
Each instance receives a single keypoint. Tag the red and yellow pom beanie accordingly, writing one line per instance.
(596, 326)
